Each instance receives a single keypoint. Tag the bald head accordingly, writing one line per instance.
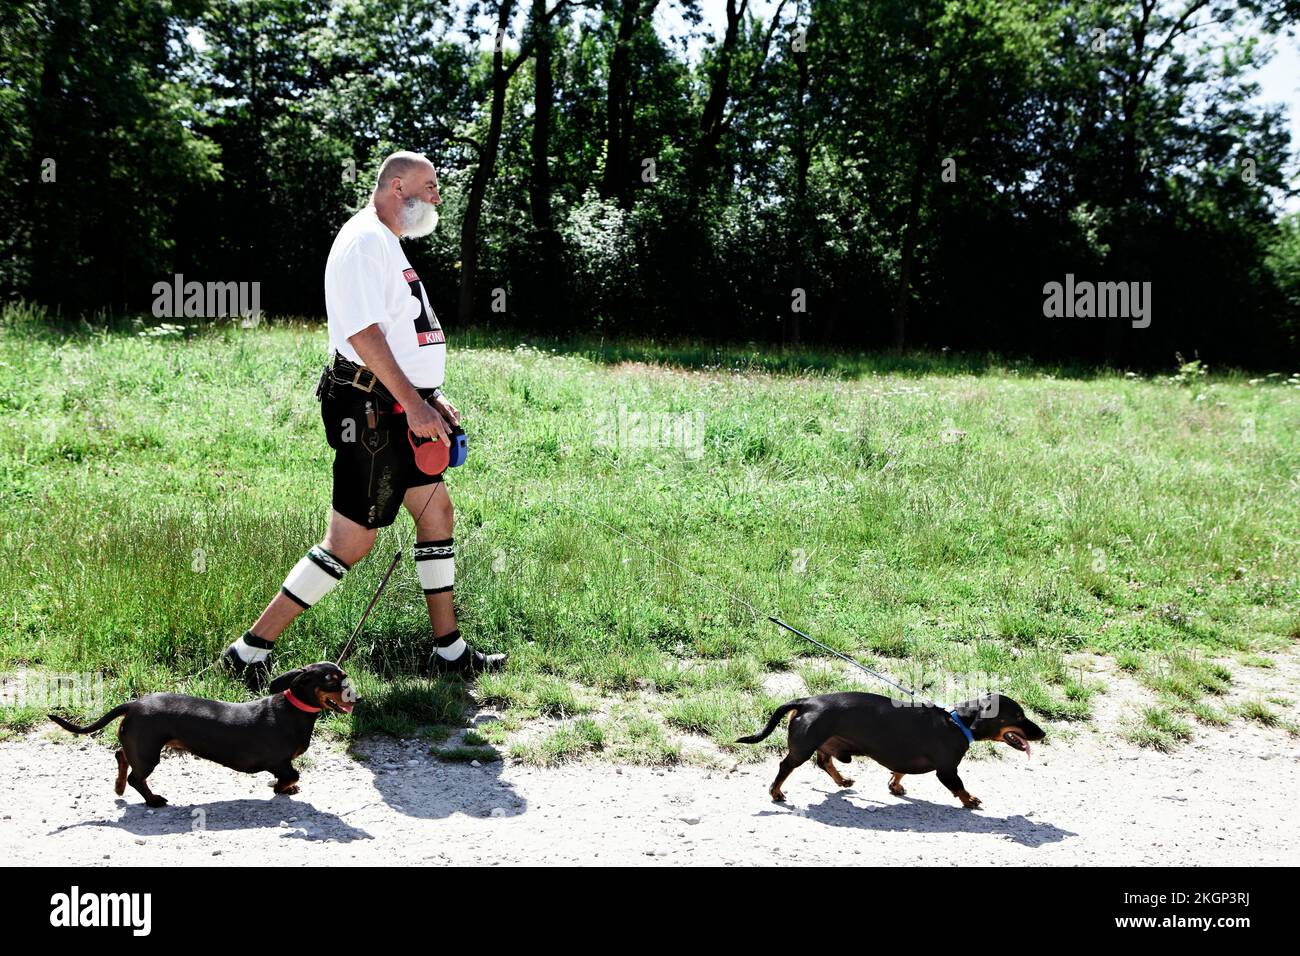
(406, 194)
(401, 165)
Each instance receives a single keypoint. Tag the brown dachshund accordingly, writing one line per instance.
(264, 734)
(904, 738)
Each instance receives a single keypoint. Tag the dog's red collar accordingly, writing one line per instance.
(288, 695)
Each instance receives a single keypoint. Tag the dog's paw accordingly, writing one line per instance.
(972, 804)
(288, 791)
(156, 801)
(898, 791)
(777, 796)
(846, 781)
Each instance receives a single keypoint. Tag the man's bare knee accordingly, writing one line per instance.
(434, 519)
(347, 540)
(438, 521)
(444, 513)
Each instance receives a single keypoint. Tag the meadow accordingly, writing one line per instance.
(946, 519)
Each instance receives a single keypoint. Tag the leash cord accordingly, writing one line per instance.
(739, 600)
(347, 648)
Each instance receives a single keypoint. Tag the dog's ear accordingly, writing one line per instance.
(284, 681)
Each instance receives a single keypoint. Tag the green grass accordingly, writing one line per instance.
(1257, 660)
(1159, 730)
(1128, 660)
(639, 739)
(155, 489)
(570, 741)
(1186, 676)
(1260, 713)
(1208, 715)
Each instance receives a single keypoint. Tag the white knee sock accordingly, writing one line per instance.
(313, 577)
(435, 563)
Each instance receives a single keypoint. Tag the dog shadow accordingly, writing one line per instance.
(838, 809)
(309, 823)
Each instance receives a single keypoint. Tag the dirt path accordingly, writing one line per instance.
(1227, 797)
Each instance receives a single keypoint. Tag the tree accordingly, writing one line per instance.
(108, 145)
(503, 70)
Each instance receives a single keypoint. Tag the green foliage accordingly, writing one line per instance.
(860, 173)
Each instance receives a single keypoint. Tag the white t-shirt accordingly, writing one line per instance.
(369, 281)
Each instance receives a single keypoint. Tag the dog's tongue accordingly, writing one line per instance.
(1025, 742)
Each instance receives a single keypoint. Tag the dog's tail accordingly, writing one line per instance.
(107, 719)
(771, 724)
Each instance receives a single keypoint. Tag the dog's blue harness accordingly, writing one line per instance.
(970, 738)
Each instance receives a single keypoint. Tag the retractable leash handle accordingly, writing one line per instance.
(432, 455)
(459, 450)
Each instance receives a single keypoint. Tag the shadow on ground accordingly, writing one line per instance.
(844, 808)
(310, 822)
(432, 789)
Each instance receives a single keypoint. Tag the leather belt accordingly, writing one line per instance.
(345, 372)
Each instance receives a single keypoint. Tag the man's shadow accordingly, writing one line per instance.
(226, 815)
(838, 809)
(434, 788)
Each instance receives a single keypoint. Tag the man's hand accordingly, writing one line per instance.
(421, 418)
(447, 409)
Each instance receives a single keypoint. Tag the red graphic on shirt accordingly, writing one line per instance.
(427, 329)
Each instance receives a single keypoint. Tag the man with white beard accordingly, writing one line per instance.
(389, 355)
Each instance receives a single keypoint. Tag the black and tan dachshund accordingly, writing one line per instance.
(903, 737)
(250, 737)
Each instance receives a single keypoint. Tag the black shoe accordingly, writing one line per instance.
(255, 675)
(469, 662)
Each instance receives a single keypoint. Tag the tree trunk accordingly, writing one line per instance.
(44, 121)
(711, 125)
(487, 151)
(803, 158)
(617, 181)
(539, 187)
(924, 168)
(487, 159)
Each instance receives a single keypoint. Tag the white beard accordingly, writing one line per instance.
(418, 219)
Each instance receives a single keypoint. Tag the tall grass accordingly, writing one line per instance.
(961, 515)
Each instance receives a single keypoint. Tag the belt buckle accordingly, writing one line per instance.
(356, 377)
